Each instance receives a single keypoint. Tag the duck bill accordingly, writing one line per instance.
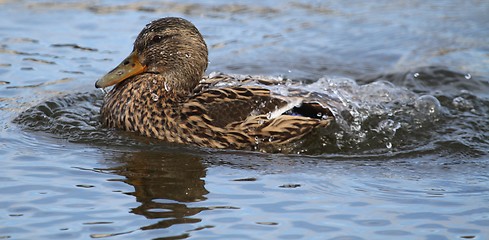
(127, 68)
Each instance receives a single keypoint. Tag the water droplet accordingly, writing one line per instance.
(356, 127)
(468, 76)
(462, 104)
(388, 145)
(427, 104)
(388, 127)
(188, 55)
(155, 97)
(167, 88)
(416, 74)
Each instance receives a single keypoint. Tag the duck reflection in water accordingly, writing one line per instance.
(163, 183)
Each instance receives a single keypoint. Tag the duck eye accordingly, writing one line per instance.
(157, 39)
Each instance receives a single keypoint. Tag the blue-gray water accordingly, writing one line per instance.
(407, 159)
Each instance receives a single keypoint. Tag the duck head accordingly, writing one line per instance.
(170, 47)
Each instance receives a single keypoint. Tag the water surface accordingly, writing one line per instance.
(407, 157)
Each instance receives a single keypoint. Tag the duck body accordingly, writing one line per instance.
(160, 92)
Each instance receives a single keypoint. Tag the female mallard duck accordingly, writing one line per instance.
(160, 92)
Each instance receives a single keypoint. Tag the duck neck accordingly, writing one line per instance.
(141, 102)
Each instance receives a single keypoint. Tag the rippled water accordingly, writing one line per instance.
(406, 158)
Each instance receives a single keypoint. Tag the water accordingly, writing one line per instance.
(407, 157)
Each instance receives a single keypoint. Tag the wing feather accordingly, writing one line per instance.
(234, 104)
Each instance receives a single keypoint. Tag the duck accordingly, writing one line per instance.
(160, 91)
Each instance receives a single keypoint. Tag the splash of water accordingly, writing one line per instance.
(373, 114)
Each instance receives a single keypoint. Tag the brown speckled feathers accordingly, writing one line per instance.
(159, 96)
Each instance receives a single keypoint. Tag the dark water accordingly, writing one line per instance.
(406, 159)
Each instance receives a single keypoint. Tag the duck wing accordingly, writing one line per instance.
(223, 106)
(247, 95)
